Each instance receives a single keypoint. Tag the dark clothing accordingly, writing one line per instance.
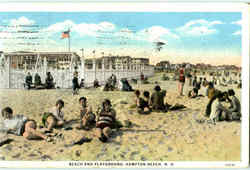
(126, 86)
(49, 82)
(96, 84)
(38, 81)
(182, 78)
(75, 83)
(82, 84)
(143, 103)
(194, 83)
(157, 100)
(28, 81)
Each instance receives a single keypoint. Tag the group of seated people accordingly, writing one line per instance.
(110, 85)
(49, 82)
(148, 103)
(155, 102)
(104, 121)
(217, 110)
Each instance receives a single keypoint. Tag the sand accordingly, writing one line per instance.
(171, 136)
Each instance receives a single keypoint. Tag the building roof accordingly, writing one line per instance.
(22, 53)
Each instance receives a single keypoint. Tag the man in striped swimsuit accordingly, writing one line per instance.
(105, 121)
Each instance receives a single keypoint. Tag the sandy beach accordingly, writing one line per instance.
(171, 136)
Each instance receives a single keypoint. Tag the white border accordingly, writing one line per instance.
(151, 7)
(122, 7)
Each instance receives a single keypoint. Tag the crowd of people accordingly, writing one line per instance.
(48, 84)
(216, 108)
(104, 119)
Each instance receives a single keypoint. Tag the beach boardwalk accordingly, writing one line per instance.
(15, 66)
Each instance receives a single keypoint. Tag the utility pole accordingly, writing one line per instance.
(83, 64)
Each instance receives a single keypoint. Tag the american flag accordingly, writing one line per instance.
(65, 34)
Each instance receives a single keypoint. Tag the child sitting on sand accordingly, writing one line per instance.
(87, 117)
(21, 125)
(142, 104)
(157, 99)
(106, 119)
(54, 118)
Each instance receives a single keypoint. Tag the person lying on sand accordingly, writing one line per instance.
(106, 118)
(54, 118)
(157, 99)
(87, 117)
(20, 125)
(142, 104)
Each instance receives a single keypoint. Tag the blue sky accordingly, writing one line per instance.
(189, 36)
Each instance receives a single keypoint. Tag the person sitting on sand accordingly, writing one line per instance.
(28, 80)
(20, 125)
(106, 118)
(49, 84)
(87, 117)
(193, 93)
(157, 99)
(235, 106)
(125, 85)
(38, 81)
(75, 84)
(96, 83)
(82, 83)
(54, 118)
(218, 111)
(142, 104)
(109, 85)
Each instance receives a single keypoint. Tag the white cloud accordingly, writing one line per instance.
(237, 32)
(198, 28)
(156, 33)
(239, 22)
(82, 28)
(59, 27)
(21, 21)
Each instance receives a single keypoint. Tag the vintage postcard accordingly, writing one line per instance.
(144, 85)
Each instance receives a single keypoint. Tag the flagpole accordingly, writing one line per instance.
(69, 40)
